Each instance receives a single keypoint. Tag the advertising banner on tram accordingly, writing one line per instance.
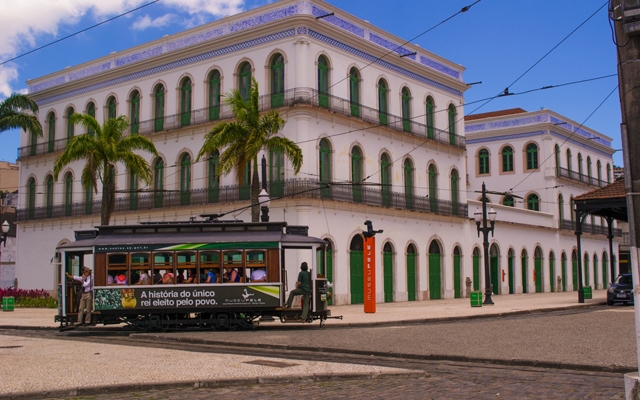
(150, 298)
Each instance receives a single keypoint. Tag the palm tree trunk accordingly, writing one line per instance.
(255, 192)
(108, 195)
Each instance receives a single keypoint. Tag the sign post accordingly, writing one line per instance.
(370, 274)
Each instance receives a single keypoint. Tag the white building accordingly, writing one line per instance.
(359, 111)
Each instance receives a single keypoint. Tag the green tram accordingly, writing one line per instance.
(179, 275)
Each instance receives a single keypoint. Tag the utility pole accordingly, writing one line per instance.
(626, 16)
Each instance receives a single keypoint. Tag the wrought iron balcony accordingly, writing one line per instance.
(290, 98)
(567, 224)
(578, 177)
(304, 188)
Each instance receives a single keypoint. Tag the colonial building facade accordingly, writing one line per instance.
(379, 123)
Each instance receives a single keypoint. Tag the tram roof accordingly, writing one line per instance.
(184, 233)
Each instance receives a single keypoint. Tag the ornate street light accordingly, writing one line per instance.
(5, 230)
(263, 199)
(481, 219)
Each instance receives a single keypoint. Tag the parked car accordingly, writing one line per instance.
(621, 290)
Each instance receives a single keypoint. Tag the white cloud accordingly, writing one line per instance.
(8, 73)
(147, 22)
(217, 8)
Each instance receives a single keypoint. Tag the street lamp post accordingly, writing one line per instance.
(263, 199)
(3, 237)
(481, 218)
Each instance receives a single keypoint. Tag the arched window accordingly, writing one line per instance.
(533, 202)
(580, 170)
(356, 173)
(608, 173)
(111, 108)
(483, 162)
(560, 210)
(411, 272)
(589, 170)
(158, 108)
(408, 183)
(433, 188)
(406, 110)
(507, 159)
(383, 101)
(572, 210)
(385, 179)
(185, 179)
(158, 183)
(70, 126)
(133, 191)
(185, 102)
(277, 81)
(452, 123)
(51, 122)
(435, 270)
(213, 183)
(557, 157)
(91, 110)
(569, 162)
(324, 167)
(599, 172)
(276, 172)
(244, 80)
(532, 156)
(31, 198)
(508, 201)
(323, 81)
(430, 114)
(135, 112)
(68, 193)
(214, 95)
(455, 188)
(49, 196)
(537, 269)
(354, 92)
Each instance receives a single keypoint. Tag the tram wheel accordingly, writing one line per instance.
(222, 322)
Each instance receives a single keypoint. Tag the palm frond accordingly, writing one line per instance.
(18, 120)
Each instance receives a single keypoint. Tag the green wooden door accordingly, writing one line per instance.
(411, 276)
(587, 277)
(434, 277)
(563, 266)
(538, 267)
(457, 277)
(476, 272)
(524, 274)
(595, 274)
(574, 265)
(552, 274)
(605, 278)
(495, 278)
(512, 274)
(387, 257)
(356, 267)
(329, 261)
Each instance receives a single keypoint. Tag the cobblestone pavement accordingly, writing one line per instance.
(447, 381)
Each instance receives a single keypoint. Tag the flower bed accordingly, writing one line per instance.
(30, 298)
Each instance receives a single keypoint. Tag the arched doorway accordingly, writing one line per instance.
(435, 285)
(595, 271)
(511, 261)
(494, 254)
(563, 267)
(387, 257)
(329, 266)
(356, 269)
(552, 271)
(537, 272)
(411, 272)
(476, 269)
(523, 258)
(574, 270)
(457, 275)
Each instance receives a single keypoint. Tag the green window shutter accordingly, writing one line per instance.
(158, 184)
(185, 180)
(68, 194)
(408, 184)
(277, 82)
(507, 159)
(354, 93)
(385, 180)
(52, 132)
(325, 168)
(323, 82)
(185, 103)
(158, 123)
(214, 96)
(276, 173)
(532, 156)
(91, 110)
(356, 174)
(135, 113)
(70, 126)
(406, 111)
(430, 118)
(383, 106)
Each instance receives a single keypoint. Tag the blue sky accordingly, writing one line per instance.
(496, 41)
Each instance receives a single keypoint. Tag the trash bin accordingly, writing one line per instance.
(588, 294)
(8, 303)
(476, 299)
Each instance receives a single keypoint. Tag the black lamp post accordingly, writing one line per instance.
(3, 237)
(263, 199)
(481, 217)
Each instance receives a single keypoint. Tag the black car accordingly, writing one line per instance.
(621, 291)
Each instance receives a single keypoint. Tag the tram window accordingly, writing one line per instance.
(140, 269)
(233, 267)
(256, 266)
(117, 269)
(186, 267)
(162, 266)
(210, 267)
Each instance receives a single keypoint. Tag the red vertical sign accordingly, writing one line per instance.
(370, 275)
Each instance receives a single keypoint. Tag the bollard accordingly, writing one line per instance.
(467, 282)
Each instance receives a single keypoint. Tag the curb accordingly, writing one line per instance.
(207, 383)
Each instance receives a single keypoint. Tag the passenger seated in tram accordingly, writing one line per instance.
(121, 279)
(167, 278)
(192, 277)
(259, 275)
(110, 278)
(180, 276)
(209, 276)
(157, 278)
(135, 277)
(144, 279)
(231, 275)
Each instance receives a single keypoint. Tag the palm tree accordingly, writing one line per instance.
(245, 137)
(12, 117)
(102, 150)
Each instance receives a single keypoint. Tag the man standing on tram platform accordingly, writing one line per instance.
(86, 301)
(303, 287)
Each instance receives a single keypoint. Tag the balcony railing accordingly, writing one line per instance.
(567, 224)
(578, 177)
(290, 98)
(304, 188)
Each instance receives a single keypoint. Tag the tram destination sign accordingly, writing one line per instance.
(185, 297)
